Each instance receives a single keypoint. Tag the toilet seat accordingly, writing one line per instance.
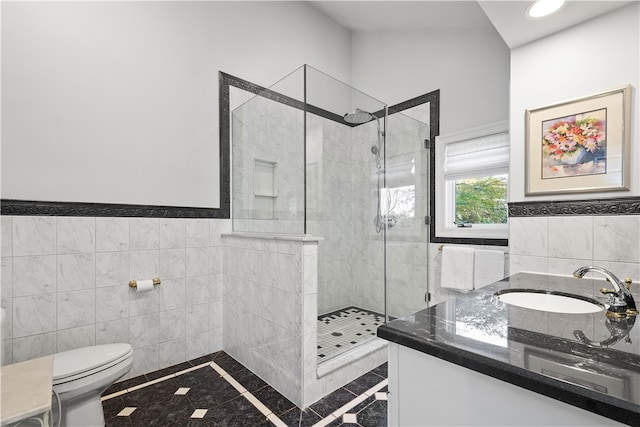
(82, 362)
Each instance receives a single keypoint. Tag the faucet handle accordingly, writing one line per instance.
(628, 283)
(605, 291)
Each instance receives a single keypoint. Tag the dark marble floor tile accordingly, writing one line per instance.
(382, 370)
(118, 422)
(364, 383)
(148, 413)
(198, 422)
(335, 423)
(374, 415)
(122, 385)
(204, 359)
(360, 406)
(167, 371)
(228, 363)
(158, 392)
(297, 417)
(236, 412)
(177, 412)
(249, 380)
(385, 389)
(272, 399)
(333, 401)
(112, 407)
(201, 376)
(215, 392)
(308, 418)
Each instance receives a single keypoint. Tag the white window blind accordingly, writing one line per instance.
(471, 156)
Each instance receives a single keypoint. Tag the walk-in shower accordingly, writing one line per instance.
(355, 182)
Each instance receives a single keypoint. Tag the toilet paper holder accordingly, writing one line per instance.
(134, 283)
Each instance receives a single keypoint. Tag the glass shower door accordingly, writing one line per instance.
(344, 178)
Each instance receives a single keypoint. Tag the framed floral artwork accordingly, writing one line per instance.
(579, 146)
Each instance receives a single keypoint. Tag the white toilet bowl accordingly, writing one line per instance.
(80, 377)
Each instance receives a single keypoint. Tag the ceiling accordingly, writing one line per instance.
(507, 17)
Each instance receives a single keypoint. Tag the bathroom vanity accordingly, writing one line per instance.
(475, 360)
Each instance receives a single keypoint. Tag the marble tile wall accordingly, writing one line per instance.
(270, 315)
(330, 206)
(65, 285)
(269, 131)
(270, 306)
(561, 244)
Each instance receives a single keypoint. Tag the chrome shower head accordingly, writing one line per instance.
(358, 117)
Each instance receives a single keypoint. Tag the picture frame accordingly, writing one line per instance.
(579, 146)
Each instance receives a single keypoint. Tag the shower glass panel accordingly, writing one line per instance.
(267, 137)
(407, 203)
(345, 178)
(312, 155)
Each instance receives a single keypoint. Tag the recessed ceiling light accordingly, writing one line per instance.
(540, 8)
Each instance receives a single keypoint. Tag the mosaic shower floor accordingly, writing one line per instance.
(344, 329)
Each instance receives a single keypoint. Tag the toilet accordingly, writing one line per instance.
(80, 377)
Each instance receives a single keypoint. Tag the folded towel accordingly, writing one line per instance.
(488, 267)
(457, 268)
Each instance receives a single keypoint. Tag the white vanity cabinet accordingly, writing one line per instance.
(427, 391)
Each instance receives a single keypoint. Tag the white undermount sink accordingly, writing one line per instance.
(554, 302)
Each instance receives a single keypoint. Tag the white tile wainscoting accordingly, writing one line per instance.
(271, 312)
(561, 244)
(65, 285)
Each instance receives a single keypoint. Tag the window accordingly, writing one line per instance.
(471, 183)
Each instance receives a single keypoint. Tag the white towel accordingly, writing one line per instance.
(457, 268)
(488, 267)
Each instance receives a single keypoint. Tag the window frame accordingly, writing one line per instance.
(445, 189)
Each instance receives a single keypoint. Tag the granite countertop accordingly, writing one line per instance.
(585, 360)
(26, 389)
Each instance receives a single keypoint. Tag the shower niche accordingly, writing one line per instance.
(338, 179)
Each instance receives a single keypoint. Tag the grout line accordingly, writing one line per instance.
(276, 421)
(218, 369)
(234, 383)
(259, 405)
(344, 408)
(323, 422)
(372, 391)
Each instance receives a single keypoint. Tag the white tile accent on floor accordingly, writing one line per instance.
(199, 413)
(182, 391)
(126, 411)
(349, 418)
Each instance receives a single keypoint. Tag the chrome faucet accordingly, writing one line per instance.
(623, 303)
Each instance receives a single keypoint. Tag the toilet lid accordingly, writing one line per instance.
(74, 362)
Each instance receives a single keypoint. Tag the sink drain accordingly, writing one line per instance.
(336, 334)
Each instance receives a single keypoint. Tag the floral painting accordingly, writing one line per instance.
(579, 146)
(575, 145)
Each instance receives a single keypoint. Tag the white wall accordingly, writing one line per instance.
(471, 69)
(593, 57)
(118, 101)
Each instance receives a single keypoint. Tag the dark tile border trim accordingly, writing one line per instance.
(434, 119)
(40, 208)
(617, 206)
(227, 80)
